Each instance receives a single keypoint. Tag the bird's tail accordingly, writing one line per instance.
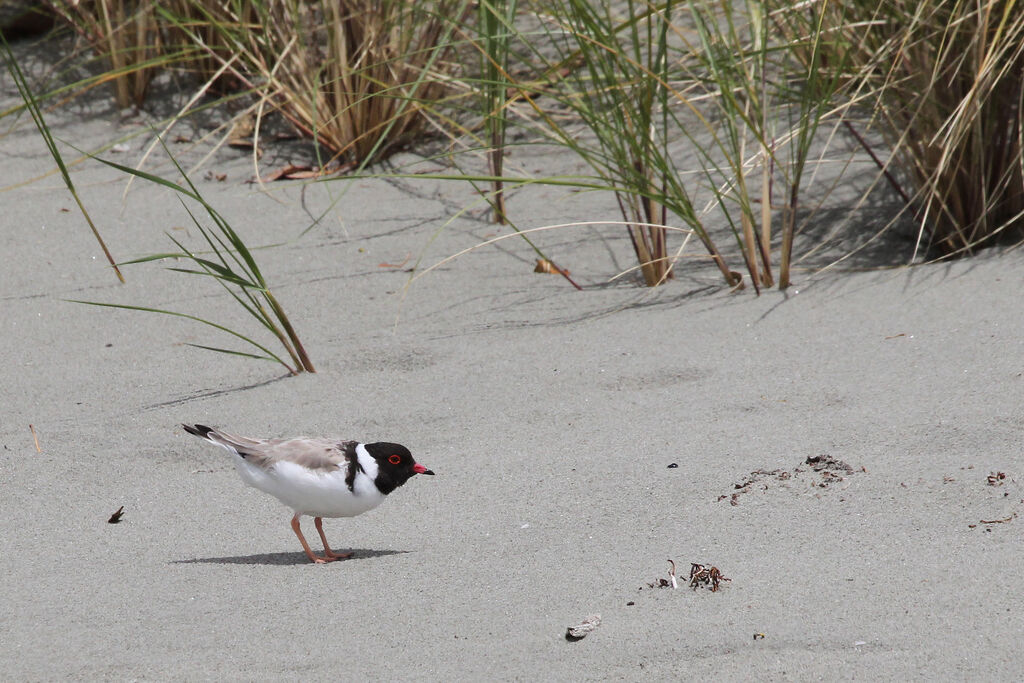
(202, 431)
(237, 444)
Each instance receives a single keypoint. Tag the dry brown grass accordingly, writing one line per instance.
(124, 32)
(945, 81)
(354, 76)
(744, 86)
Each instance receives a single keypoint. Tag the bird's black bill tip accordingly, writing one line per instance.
(430, 472)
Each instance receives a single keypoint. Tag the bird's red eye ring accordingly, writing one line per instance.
(394, 459)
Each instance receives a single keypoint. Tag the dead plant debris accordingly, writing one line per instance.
(998, 521)
(700, 575)
(826, 463)
(705, 576)
(385, 264)
(35, 438)
(306, 171)
(996, 478)
(116, 517)
(241, 134)
(827, 469)
(583, 629)
(670, 582)
(546, 266)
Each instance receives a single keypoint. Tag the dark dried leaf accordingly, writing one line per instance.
(116, 517)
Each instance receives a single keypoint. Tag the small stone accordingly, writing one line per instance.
(583, 629)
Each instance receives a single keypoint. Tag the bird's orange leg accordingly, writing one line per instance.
(327, 549)
(305, 546)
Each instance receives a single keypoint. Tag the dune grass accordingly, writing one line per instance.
(648, 81)
(945, 87)
(127, 34)
(226, 258)
(230, 262)
(496, 26)
(659, 86)
(351, 76)
(697, 112)
(620, 92)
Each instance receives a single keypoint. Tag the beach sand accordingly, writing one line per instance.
(551, 417)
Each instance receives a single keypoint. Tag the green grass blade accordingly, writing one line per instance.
(233, 352)
(210, 323)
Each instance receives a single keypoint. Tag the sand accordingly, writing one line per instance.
(551, 417)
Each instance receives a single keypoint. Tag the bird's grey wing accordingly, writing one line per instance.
(318, 455)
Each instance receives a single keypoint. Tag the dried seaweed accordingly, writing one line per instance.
(828, 470)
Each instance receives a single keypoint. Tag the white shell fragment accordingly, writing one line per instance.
(583, 629)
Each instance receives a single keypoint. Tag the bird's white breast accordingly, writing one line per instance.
(316, 493)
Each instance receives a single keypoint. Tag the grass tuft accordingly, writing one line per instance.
(232, 265)
(945, 86)
(353, 77)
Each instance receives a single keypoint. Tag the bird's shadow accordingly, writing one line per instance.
(288, 558)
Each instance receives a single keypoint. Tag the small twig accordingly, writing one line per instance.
(396, 265)
(35, 438)
(893, 183)
(998, 521)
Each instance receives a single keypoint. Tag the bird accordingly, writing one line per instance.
(318, 477)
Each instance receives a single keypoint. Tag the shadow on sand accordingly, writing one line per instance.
(287, 558)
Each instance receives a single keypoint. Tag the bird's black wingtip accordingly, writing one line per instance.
(202, 431)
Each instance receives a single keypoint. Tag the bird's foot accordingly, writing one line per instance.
(337, 556)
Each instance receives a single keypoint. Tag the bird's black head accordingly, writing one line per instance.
(395, 465)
